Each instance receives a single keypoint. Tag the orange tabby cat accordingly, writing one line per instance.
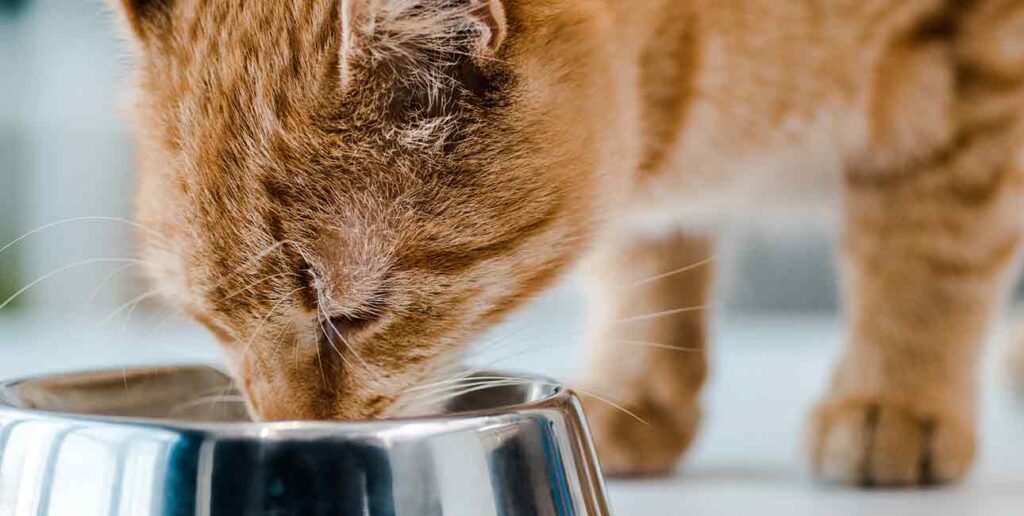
(350, 190)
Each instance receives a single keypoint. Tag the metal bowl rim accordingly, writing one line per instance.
(290, 429)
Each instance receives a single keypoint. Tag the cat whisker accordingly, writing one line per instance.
(265, 252)
(322, 321)
(515, 354)
(208, 400)
(108, 278)
(445, 373)
(505, 338)
(472, 387)
(611, 403)
(227, 389)
(135, 305)
(263, 321)
(155, 329)
(319, 360)
(665, 313)
(462, 379)
(132, 302)
(463, 376)
(72, 220)
(486, 384)
(224, 393)
(675, 272)
(348, 345)
(256, 283)
(62, 270)
(655, 345)
(491, 59)
(433, 398)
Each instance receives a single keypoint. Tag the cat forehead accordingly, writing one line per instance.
(275, 85)
(292, 35)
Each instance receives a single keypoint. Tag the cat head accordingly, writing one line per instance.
(347, 191)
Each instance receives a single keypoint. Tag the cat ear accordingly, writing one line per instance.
(354, 15)
(404, 27)
(359, 15)
(491, 16)
(146, 17)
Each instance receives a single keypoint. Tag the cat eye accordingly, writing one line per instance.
(341, 331)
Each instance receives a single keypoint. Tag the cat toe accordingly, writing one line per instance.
(872, 444)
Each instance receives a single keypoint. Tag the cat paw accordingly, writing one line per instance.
(648, 442)
(874, 444)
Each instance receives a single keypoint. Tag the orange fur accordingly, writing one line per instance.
(355, 188)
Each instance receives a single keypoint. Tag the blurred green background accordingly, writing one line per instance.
(9, 269)
(65, 153)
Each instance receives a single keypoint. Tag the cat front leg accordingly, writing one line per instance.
(928, 253)
(648, 337)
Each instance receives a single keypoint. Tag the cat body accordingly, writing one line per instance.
(904, 116)
(770, 106)
(349, 190)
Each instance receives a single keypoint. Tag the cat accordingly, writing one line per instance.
(346, 192)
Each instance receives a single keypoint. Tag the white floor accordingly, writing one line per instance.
(767, 373)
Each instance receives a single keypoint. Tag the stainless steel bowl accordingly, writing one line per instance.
(141, 443)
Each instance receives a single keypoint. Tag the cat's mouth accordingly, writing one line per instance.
(325, 376)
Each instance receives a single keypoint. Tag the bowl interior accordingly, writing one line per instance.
(205, 394)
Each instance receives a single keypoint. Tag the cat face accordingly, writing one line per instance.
(345, 192)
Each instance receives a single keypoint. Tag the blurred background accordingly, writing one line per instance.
(66, 153)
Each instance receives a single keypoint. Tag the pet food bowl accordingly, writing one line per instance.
(146, 443)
